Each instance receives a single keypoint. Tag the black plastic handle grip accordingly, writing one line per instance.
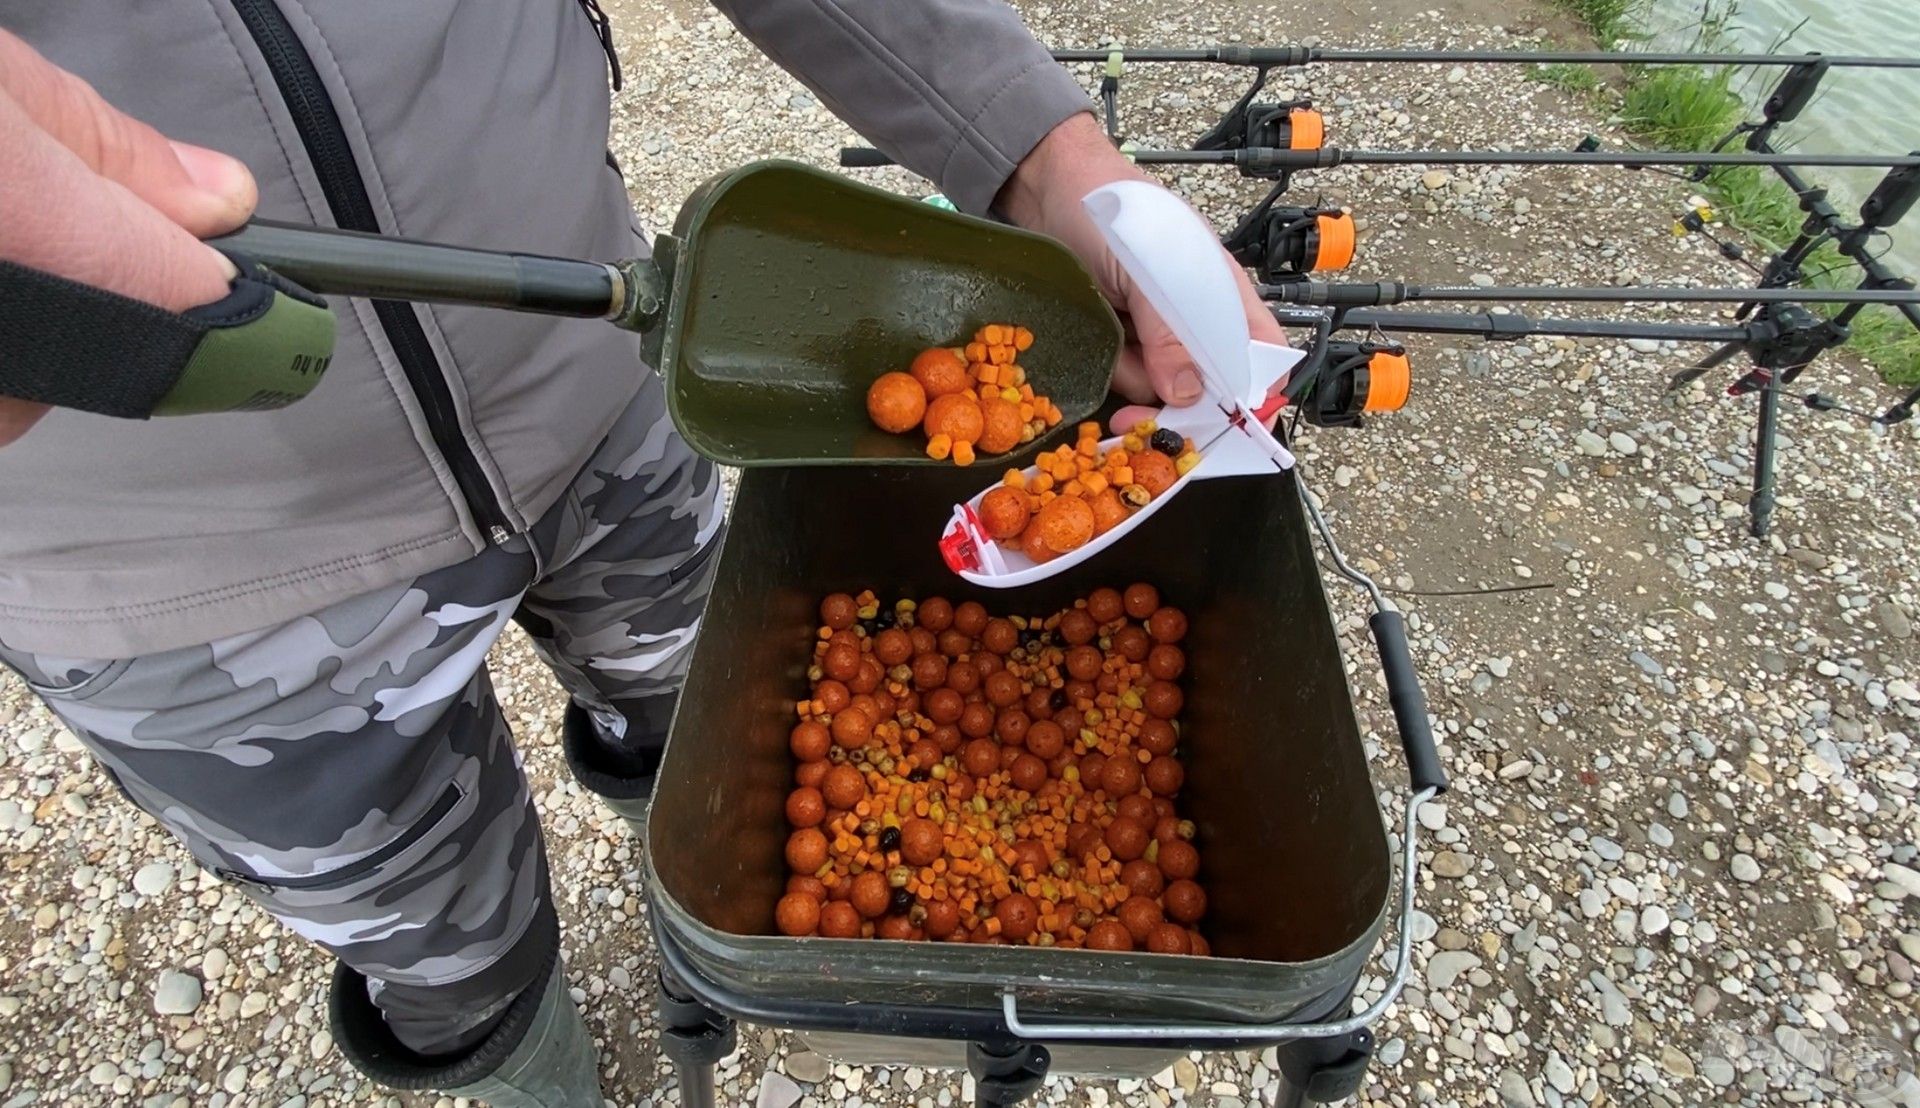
(862, 157)
(1409, 702)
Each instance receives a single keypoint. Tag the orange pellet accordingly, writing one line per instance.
(917, 824)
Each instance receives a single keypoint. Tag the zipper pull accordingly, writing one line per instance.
(499, 534)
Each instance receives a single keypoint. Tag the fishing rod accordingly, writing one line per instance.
(1269, 161)
(1340, 382)
(1295, 55)
(1376, 293)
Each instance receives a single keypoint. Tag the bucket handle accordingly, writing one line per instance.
(1426, 779)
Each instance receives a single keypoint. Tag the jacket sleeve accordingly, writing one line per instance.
(955, 90)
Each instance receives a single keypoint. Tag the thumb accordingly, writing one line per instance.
(1170, 369)
(203, 191)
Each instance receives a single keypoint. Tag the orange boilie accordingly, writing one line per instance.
(1004, 512)
(1100, 490)
(1000, 425)
(939, 371)
(896, 402)
(1001, 409)
(1066, 524)
(955, 417)
(994, 778)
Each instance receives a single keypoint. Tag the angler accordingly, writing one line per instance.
(265, 611)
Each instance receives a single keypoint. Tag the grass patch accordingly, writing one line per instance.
(1683, 107)
(1572, 77)
(1611, 22)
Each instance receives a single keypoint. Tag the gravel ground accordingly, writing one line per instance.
(1674, 868)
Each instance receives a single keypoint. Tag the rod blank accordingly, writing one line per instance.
(1343, 294)
(1296, 55)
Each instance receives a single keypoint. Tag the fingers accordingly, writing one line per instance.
(203, 191)
(16, 416)
(58, 215)
(1260, 322)
(1130, 376)
(1169, 368)
(1124, 419)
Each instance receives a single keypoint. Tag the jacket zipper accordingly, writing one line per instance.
(325, 140)
(443, 806)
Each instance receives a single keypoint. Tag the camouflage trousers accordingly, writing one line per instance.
(351, 769)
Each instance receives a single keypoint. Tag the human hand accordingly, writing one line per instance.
(95, 196)
(1044, 195)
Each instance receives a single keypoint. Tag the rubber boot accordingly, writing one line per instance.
(627, 793)
(538, 1055)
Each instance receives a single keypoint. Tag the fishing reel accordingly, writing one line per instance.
(1286, 244)
(1352, 379)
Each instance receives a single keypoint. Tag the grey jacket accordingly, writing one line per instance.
(437, 430)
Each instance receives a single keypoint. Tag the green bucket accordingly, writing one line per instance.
(791, 289)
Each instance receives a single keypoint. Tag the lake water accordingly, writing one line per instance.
(1857, 110)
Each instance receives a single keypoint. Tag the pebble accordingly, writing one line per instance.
(1186, 1075)
(777, 1090)
(1444, 968)
(1434, 179)
(1653, 920)
(1590, 443)
(1456, 75)
(1644, 346)
(1514, 1092)
(1613, 1003)
(1451, 864)
(153, 878)
(1391, 1052)
(176, 993)
(808, 1067)
(1893, 620)
(1906, 879)
(1744, 868)
(1659, 835)
(1558, 1073)
(1345, 475)
(1623, 442)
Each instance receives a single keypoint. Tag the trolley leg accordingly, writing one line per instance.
(1005, 1074)
(1761, 510)
(694, 1038)
(1322, 1071)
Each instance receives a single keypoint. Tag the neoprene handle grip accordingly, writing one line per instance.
(1409, 702)
(862, 157)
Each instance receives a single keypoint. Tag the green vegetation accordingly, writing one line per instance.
(1691, 108)
(1579, 79)
(1612, 22)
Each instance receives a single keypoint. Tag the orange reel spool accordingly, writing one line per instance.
(1389, 382)
(1335, 232)
(1306, 129)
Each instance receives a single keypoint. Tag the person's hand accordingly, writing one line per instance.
(1044, 195)
(97, 197)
